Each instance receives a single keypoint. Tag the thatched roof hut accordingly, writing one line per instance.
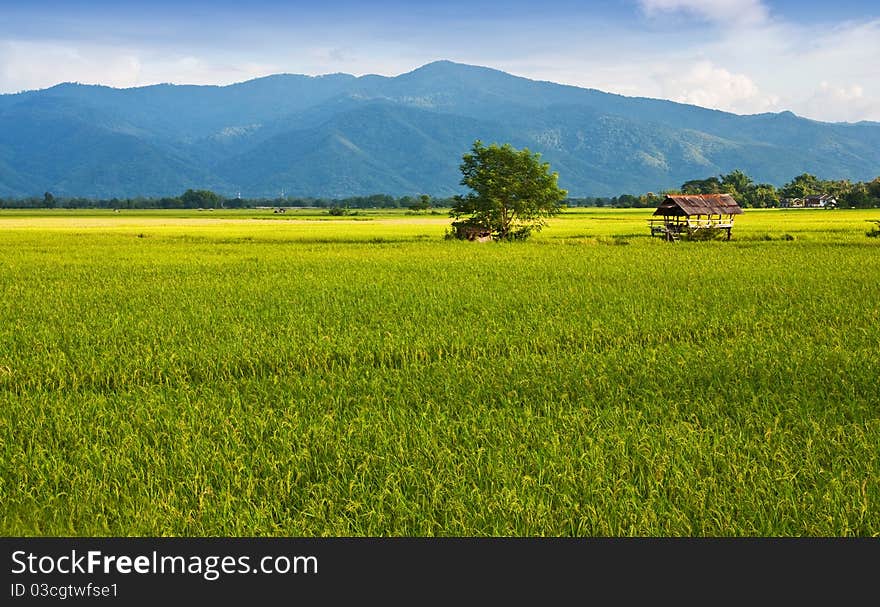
(689, 205)
(689, 213)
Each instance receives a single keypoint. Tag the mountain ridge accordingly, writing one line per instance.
(266, 134)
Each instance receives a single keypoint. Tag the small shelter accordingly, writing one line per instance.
(470, 229)
(693, 214)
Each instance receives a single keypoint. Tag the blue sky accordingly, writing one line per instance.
(818, 59)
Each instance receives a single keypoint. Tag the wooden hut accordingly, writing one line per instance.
(469, 229)
(691, 214)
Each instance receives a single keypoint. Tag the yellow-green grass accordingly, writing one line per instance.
(169, 373)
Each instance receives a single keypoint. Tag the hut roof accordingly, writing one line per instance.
(699, 204)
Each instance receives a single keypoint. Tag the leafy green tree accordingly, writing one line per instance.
(801, 186)
(513, 192)
(423, 203)
(652, 200)
(626, 201)
(736, 183)
(49, 200)
(762, 196)
(859, 196)
(838, 188)
(874, 191)
(205, 199)
(712, 185)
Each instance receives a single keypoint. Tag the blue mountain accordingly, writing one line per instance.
(339, 135)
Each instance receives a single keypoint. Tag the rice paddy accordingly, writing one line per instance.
(241, 373)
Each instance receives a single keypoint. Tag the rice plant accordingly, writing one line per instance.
(243, 374)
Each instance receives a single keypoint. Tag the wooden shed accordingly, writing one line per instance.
(692, 214)
(469, 229)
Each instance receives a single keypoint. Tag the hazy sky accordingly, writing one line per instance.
(818, 59)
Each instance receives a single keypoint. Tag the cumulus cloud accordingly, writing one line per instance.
(28, 65)
(773, 65)
(851, 93)
(708, 85)
(192, 69)
(724, 11)
(792, 61)
(741, 58)
(841, 102)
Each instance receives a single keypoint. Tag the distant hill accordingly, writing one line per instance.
(338, 135)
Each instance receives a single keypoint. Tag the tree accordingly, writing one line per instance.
(626, 201)
(513, 192)
(702, 186)
(206, 199)
(736, 183)
(801, 186)
(839, 188)
(761, 196)
(48, 200)
(874, 191)
(422, 204)
(858, 196)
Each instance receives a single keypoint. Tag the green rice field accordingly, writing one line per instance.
(244, 373)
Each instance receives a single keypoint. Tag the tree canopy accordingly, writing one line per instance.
(750, 194)
(739, 185)
(201, 198)
(513, 192)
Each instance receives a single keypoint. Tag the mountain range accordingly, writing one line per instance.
(339, 135)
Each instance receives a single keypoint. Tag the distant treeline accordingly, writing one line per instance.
(206, 199)
(754, 195)
(748, 193)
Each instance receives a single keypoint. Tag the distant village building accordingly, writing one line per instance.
(813, 201)
(820, 201)
(694, 214)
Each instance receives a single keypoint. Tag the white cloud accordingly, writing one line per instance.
(742, 59)
(31, 65)
(192, 69)
(26, 65)
(851, 93)
(838, 102)
(724, 11)
(765, 67)
(790, 62)
(708, 85)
